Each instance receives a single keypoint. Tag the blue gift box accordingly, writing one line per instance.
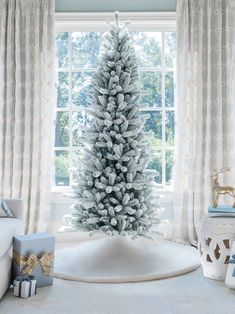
(33, 254)
(232, 261)
(221, 210)
(230, 275)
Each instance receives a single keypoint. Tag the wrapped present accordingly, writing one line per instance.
(230, 275)
(33, 254)
(25, 286)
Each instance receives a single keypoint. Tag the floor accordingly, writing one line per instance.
(187, 294)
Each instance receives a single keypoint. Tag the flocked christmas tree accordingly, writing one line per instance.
(113, 186)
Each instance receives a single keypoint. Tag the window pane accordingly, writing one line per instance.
(169, 165)
(61, 162)
(81, 88)
(76, 157)
(170, 127)
(170, 48)
(62, 43)
(62, 85)
(169, 89)
(150, 83)
(79, 120)
(148, 47)
(156, 164)
(62, 129)
(85, 49)
(153, 125)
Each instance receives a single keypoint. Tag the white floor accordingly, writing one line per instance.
(187, 294)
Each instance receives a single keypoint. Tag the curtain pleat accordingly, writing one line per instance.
(27, 57)
(205, 131)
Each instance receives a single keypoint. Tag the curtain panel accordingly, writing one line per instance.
(205, 115)
(27, 57)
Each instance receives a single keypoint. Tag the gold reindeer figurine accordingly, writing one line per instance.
(221, 190)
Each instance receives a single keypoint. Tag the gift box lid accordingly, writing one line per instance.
(35, 243)
(33, 236)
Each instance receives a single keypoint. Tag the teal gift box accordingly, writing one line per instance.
(33, 254)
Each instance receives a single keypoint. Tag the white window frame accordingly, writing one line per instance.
(138, 21)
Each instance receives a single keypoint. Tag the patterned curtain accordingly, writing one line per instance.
(205, 128)
(26, 103)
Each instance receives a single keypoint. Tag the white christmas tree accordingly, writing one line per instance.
(113, 186)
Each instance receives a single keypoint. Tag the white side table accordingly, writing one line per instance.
(214, 244)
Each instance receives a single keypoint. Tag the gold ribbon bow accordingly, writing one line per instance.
(29, 263)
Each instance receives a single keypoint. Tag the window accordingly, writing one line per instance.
(77, 53)
(77, 60)
(156, 59)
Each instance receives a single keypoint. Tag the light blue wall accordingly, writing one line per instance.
(112, 5)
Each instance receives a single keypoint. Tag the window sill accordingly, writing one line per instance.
(61, 195)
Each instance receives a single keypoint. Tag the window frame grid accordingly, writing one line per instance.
(163, 149)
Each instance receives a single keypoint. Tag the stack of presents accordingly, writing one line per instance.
(33, 261)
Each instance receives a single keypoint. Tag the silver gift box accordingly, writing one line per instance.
(25, 286)
(33, 254)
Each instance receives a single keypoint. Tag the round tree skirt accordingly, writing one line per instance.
(121, 259)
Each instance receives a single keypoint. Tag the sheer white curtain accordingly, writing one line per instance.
(205, 120)
(26, 104)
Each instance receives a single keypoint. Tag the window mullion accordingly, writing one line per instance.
(155, 69)
(163, 114)
(151, 109)
(70, 107)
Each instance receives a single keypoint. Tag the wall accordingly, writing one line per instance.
(112, 5)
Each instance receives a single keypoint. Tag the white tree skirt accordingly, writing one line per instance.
(121, 259)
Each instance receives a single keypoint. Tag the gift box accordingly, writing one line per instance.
(33, 254)
(230, 275)
(25, 286)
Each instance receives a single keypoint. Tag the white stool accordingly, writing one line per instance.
(214, 244)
